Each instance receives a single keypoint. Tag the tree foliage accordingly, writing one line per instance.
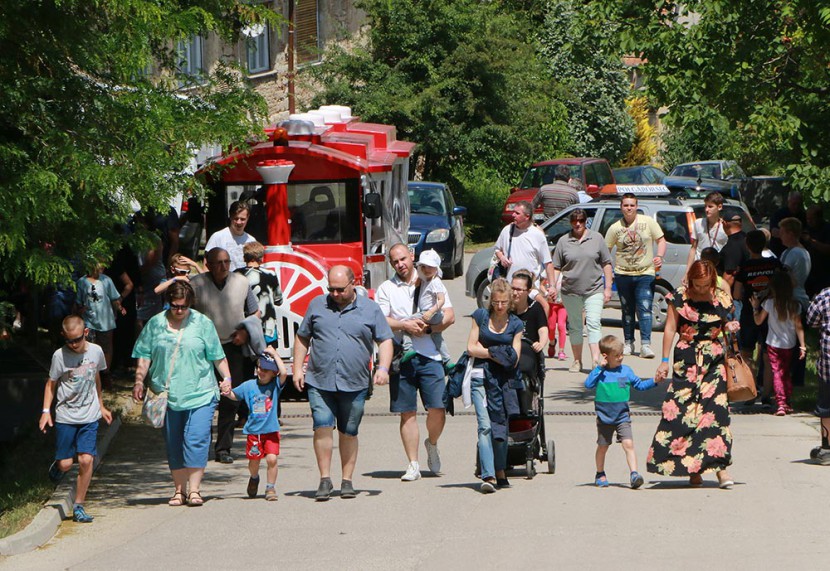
(756, 70)
(85, 130)
(456, 76)
(581, 57)
(644, 149)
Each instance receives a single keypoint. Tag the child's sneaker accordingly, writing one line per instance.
(601, 480)
(55, 473)
(636, 480)
(407, 356)
(80, 516)
(270, 494)
(562, 356)
(253, 487)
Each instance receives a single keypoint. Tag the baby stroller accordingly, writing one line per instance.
(526, 441)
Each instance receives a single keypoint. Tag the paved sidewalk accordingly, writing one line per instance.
(552, 521)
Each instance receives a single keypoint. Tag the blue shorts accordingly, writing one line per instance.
(343, 409)
(187, 436)
(418, 374)
(72, 439)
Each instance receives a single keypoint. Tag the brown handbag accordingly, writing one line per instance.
(740, 381)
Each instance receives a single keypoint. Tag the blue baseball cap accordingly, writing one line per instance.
(267, 363)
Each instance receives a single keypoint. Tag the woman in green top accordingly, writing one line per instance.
(180, 348)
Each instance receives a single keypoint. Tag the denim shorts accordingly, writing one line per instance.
(343, 409)
(72, 439)
(418, 374)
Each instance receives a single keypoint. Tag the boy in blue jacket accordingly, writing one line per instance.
(613, 382)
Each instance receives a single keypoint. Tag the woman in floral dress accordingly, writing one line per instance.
(694, 436)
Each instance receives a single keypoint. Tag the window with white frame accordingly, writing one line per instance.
(258, 48)
(189, 54)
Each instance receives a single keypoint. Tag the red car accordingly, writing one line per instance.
(589, 175)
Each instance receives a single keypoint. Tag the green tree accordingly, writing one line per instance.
(758, 69)
(85, 130)
(577, 51)
(457, 77)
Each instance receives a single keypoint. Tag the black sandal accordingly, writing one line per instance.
(177, 500)
(195, 502)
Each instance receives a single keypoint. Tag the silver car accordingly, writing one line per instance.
(675, 216)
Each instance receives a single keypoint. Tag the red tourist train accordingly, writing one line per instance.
(324, 189)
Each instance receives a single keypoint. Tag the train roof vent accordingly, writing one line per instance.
(314, 118)
(343, 112)
(297, 126)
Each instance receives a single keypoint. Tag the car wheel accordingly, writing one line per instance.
(458, 270)
(659, 307)
(483, 294)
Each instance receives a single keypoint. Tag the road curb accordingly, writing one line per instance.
(59, 506)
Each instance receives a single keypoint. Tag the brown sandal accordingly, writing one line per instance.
(695, 480)
(195, 501)
(177, 500)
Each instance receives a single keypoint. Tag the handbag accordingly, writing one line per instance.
(740, 381)
(496, 270)
(155, 406)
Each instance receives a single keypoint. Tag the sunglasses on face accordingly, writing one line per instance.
(339, 289)
(180, 272)
(579, 221)
(75, 340)
(178, 307)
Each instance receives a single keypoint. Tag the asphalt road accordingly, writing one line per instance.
(771, 518)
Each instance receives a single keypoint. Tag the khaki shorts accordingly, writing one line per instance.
(605, 432)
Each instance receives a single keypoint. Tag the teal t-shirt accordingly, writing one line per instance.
(192, 382)
(97, 297)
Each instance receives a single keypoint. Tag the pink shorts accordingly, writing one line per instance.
(259, 445)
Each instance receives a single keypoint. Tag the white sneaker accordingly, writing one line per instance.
(433, 459)
(413, 472)
(628, 348)
(646, 352)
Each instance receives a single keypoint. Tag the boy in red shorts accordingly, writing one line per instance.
(263, 426)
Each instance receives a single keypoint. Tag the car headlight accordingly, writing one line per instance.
(438, 235)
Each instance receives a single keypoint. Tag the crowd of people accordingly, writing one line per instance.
(205, 337)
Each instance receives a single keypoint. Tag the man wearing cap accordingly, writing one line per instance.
(424, 373)
(734, 253)
(338, 332)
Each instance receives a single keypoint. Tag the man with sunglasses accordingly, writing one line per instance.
(226, 298)
(424, 373)
(338, 333)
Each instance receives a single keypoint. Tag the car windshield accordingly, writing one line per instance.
(537, 176)
(427, 200)
(627, 176)
(695, 170)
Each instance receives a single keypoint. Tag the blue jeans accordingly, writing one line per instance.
(636, 293)
(492, 454)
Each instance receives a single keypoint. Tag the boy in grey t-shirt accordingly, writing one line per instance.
(76, 380)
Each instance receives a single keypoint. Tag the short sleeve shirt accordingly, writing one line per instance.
(635, 245)
(781, 334)
(231, 244)
(97, 297)
(489, 338)
(529, 249)
(532, 320)
(262, 405)
(342, 342)
(77, 392)
(429, 294)
(755, 274)
(735, 253)
(798, 260)
(192, 381)
(706, 237)
(395, 298)
(581, 262)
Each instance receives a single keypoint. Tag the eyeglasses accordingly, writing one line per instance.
(177, 307)
(340, 289)
(75, 340)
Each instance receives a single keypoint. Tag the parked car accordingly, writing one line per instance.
(589, 175)
(436, 223)
(698, 179)
(645, 174)
(675, 216)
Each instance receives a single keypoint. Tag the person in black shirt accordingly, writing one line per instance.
(734, 253)
(535, 334)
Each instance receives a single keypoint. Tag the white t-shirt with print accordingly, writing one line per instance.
(77, 394)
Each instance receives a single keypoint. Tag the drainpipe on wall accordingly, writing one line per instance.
(290, 57)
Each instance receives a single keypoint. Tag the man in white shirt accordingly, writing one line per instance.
(523, 245)
(233, 238)
(424, 372)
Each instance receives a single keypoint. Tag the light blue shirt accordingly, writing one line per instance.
(97, 297)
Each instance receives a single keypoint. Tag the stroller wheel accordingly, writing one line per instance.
(531, 469)
(551, 457)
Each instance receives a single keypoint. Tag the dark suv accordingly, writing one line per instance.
(589, 174)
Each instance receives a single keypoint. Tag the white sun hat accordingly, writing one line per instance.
(432, 259)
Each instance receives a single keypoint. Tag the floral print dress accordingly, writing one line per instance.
(693, 436)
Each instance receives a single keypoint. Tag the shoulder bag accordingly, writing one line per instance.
(496, 270)
(740, 381)
(155, 407)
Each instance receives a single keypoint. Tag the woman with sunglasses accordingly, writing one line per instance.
(180, 348)
(583, 259)
(493, 331)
